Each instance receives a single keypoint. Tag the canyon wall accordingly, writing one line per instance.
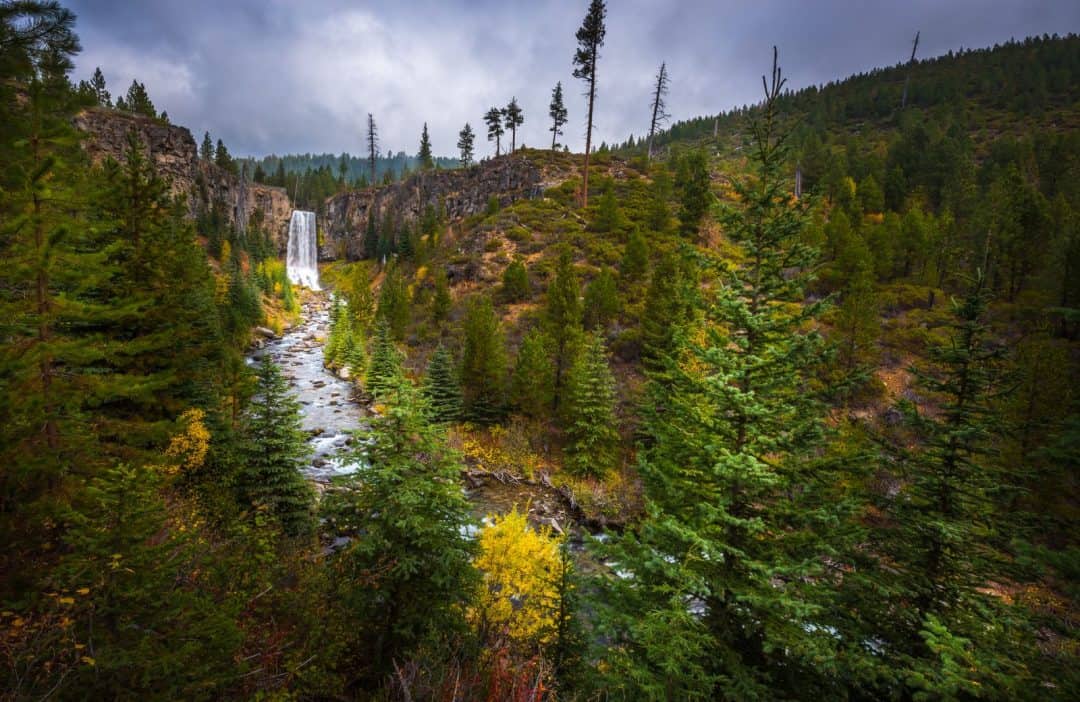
(461, 192)
(173, 151)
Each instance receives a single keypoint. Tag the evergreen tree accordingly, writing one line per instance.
(557, 112)
(668, 303)
(353, 355)
(440, 301)
(483, 363)
(590, 37)
(607, 218)
(97, 84)
(514, 118)
(408, 579)
(532, 386)
(371, 235)
(384, 371)
(735, 524)
(695, 194)
(466, 139)
(494, 120)
(222, 158)
(424, 154)
(441, 388)
(272, 452)
(601, 301)
(516, 282)
(138, 100)
(206, 150)
(592, 437)
(658, 218)
(563, 318)
(394, 302)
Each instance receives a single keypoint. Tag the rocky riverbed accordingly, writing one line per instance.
(328, 404)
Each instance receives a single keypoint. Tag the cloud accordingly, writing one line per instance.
(279, 76)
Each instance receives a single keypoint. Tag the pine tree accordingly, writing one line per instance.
(658, 217)
(532, 386)
(138, 100)
(272, 452)
(441, 300)
(516, 282)
(483, 363)
(101, 95)
(441, 388)
(354, 356)
(494, 120)
(563, 318)
(514, 118)
(592, 437)
(223, 159)
(466, 139)
(371, 235)
(424, 154)
(601, 301)
(394, 302)
(557, 112)
(695, 193)
(410, 576)
(590, 37)
(384, 371)
(668, 303)
(206, 149)
(735, 522)
(607, 218)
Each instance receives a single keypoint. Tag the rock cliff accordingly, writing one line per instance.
(175, 154)
(461, 193)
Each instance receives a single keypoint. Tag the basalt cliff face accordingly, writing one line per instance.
(460, 193)
(175, 154)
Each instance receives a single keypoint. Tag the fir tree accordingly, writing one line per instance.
(424, 154)
(592, 437)
(563, 318)
(601, 301)
(532, 386)
(635, 261)
(557, 112)
(223, 159)
(138, 100)
(607, 218)
(658, 218)
(440, 301)
(384, 371)
(514, 118)
(441, 388)
(483, 363)
(590, 37)
(101, 94)
(695, 193)
(466, 140)
(273, 450)
(516, 282)
(354, 356)
(394, 302)
(668, 303)
(206, 150)
(409, 577)
(494, 120)
(735, 522)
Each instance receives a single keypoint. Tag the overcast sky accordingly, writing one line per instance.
(284, 76)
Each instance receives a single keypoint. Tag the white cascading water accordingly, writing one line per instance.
(302, 255)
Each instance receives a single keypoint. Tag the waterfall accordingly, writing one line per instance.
(302, 257)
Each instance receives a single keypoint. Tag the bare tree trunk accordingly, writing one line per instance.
(588, 132)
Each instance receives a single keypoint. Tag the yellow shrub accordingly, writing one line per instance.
(519, 595)
(189, 447)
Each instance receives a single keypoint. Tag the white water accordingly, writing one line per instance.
(302, 256)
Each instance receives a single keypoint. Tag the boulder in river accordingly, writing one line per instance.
(265, 333)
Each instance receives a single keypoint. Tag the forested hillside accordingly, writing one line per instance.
(632, 427)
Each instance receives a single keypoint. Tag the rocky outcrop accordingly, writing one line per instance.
(176, 157)
(459, 192)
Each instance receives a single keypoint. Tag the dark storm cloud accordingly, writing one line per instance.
(280, 76)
